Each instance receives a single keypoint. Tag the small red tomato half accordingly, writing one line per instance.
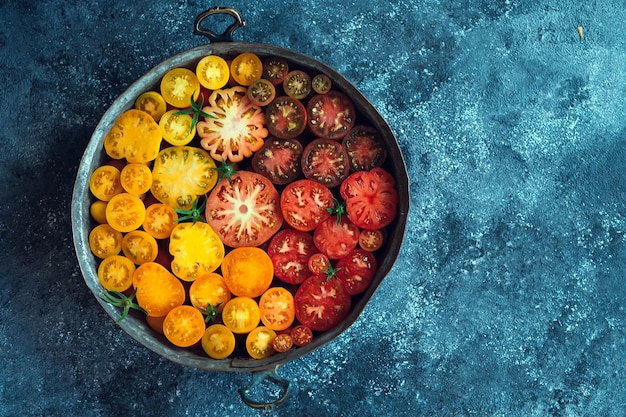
(290, 251)
(356, 270)
(331, 115)
(371, 198)
(325, 161)
(301, 335)
(321, 304)
(336, 239)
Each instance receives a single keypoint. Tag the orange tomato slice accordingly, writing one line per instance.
(105, 241)
(209, 290)
(241, 315)
(277, 308)
(246, 68)
(184, 326)
(125, 212)
(134, 136)
(247, 271)
(159, 292)
(116, 273)
(136, 178)
(104, 182)
(218, 341)
(160, 220)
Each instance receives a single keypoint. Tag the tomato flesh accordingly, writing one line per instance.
(286, 117)
(297, 84)
(331, 115)
(244, 211)
(277, 308)
(290, 251)
(326, 162)
(305, 203)
(321, 304)
(278, 160)
(356, 270)
(336, 239)
(275, 69)
(365, 148)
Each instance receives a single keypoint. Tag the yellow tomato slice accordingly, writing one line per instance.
(160, 220)
(134, 136)
(104, 241)
(218, 341)
(139, 247)
(116, 273)
(104, 182)
(259, 342)
(178, 86)
(136, 178)
(277, 308)
(158, 292)
(197, 250)
(152, 103)
(241, 315)
(246, 68)
(209, 290)
(177, 128)
(125, 212)
(212, 72)
(184, 326)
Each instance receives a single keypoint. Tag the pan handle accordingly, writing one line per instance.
(227, 36)
(257, 378)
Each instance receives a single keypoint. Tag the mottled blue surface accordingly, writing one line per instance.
(508, 298)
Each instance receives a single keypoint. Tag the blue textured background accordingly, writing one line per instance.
(508, 298)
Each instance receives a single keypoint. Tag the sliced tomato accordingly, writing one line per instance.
(210, 290)
(139, 247)
(325, 161)
(305, 203)
(218, 341)
(182, 173)
(371, 240)
(105, 241)
(277, 308)
(278, 160)
(356, 270)
(275, 69)
(244, 211)
(237, 127)
(177, 129)
(241, 315)
(197, 250)
(365, 148)
(160, 220)
(184, 326)
(125, 212)
(179, 86)
(134, 136)
(115, 272)
(246, 68)
(105, 182)
(331, 115)
(286, 117)
(290, 251)
(259, 342)
(152, 103)
(318, 263)
(336, 239)
(297, 84)
(261, 92)
(212, 72)
(321, 84)
(136, 178)
(282, 342)
(321, 304)
(301, 335)
(158, 290)
(247, 271)
(371, 198)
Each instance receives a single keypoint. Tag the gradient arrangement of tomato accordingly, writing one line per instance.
(245, 196)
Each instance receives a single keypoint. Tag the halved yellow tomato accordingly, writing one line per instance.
(139, 247)
(104, 182)
(136, 178)
(116, 273)
(184, 326)
(152, 103)
(259, 342)
(246, 68)
(197, 250)
(125, 212)
(218, 341)
(177, 129)
(209, 290)
(105, 241)
(178, 86)
(241, 315)
(212, 72)
(160, 220)
(134, 136)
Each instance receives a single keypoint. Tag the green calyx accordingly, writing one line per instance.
(338, 210)
(210, 313)
(118, 299)
(196, 111)
(226, 170)
(331, 272)
(194, 213)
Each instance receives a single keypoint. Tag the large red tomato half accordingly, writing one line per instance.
(245, 210)
(357, 270)
(305, 203)
(371, 198)
(290, 251)
(321, 303)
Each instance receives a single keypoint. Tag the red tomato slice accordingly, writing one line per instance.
(278, 160)
(321, 304)
(286, 117)
(365, 148)
(325, 161)
(331, 115)
(318, 263)
(290, 251)
(371, 199)
(336, 239)
(356, 270)
(304, 204)
(301, 335)
(244, 211)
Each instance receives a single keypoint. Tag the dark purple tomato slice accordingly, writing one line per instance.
(278, 160)
(286, 117)
(325, 161)
(365, 148)
(275, 70)
(297, 84)
(321, 84)
(331, 115)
